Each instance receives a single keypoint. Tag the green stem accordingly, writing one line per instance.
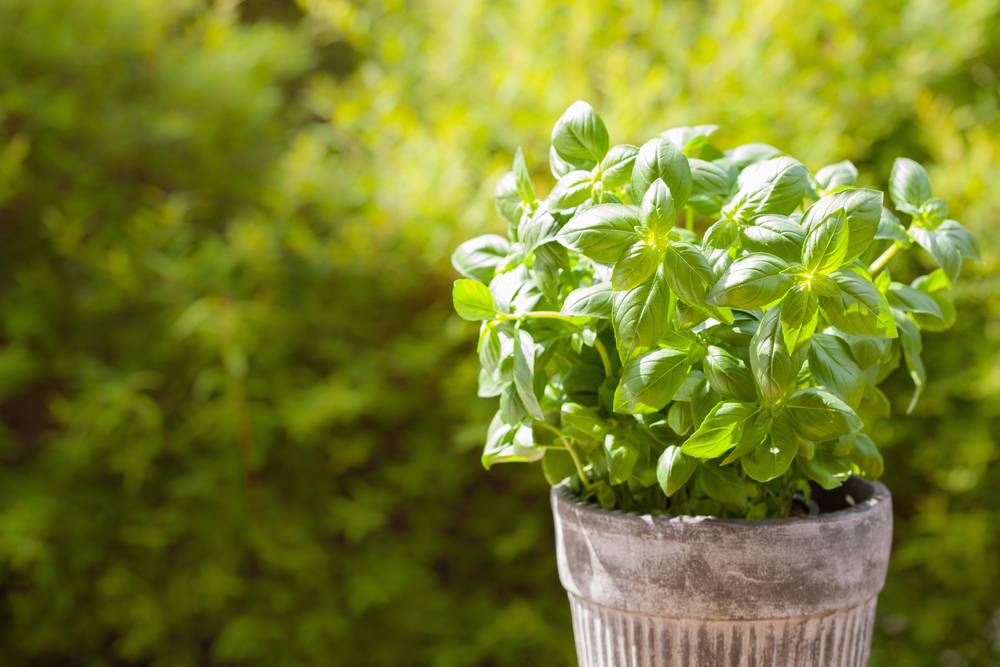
(565, 442)
(689, 221)
(604, 356)
(884, 258)
(543, 314)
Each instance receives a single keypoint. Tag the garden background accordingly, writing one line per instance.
(239, 423)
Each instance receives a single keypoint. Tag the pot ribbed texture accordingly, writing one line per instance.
(668, 591)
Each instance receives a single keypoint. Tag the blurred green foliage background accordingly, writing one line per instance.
(239, 423)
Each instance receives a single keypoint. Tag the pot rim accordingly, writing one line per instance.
(880, 494)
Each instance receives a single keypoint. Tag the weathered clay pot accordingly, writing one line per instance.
(696, 591)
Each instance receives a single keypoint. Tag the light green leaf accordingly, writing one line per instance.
(524, 373)
(572, 190)
(863, 210)
(962, 239)
(585, 420)
(617, 165)
(912, 345)
(473, 300)
(890, 229)
(799, 316)
(674, 469)
(776, 235)
(538, 231)
(601, 233)
(909, 184)
(837, 175)
(660, 159)
(622, 452)
(657, 211)
(580, 135)
(747, 154)
(689, 276)
(710, 187)
(818, 415)
(866, 351)
(478, 258)
(775, 187)
(522, 178)
(751, 283)
(771, 458)
(637, 265)
(724, 485)
(593, 301)
(506, 443)
(909, 300)
(825, 246)
(859, 309)
(641, 316)
(508, 200)
(721, 430)
(773, 367)
(728, 375)
(649, 382)
(941, 248)
(679, 418)
(833, 366)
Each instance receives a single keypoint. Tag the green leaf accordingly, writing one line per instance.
(570, 193)
(506, 443)
(522, 178)
(776, 235)
(660, 159)
(557, 465)
(584, 419)
(930, 322)
(724, 485)
(818, 415)
(799, 316)
(560, 167)
(580, 135)
(775, 187)
(721, 430)
(617, 165)
(771, 458)
(478, 258)
(909, 184)
(637, 265)
(863, 210)
(751, 283)
(935, 281)
(689, 276)
(622, 453)
(728, 375)
(837, 175)
(747, 154)
(710, 187)
(649, 382)
(473, 300)
(601, 233)
(641, 316)
(679, 418)
(657, 211)
(912, 345)
(754, 433)
(867, 458)
(934, 211)
(687, 388)
(538, 231)
(688, 138)
(773, 367)
(593, 301)
(833, 366)
(909, 300)
(890, 229)
(962, 239)
(866, 351)
(508, 200)
(825, 246)
(859, 309)
(827, 470)
(524, 373)
(674, 469)
(941, 248)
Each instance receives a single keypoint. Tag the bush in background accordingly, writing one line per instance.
(239, 423)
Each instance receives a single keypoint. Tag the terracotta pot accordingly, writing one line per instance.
(697, 591)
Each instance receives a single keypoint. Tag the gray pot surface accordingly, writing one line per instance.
(695, 591)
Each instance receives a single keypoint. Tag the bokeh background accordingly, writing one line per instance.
(239, 423)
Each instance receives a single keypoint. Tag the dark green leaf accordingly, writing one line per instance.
(728, 375)
(710, 187)
(580, 134)
(649, 382)
(775, 187)
(720, 431)
(859, 309)
(818, 415)
(827, 470)
(661, 159)
(594, 301)
(825, 246)
(799, 316)
(622, 452)
(863, 209)
(751, 283)
(773, 367)
(866, 456)
(473, 300)
(557, 465)
(772, 457)
(616, 167)
(674, 469)
(909, 300)
(866, 351)
(641, 316)
(725, 486)
(909, 184)
(833, 366)
(776, 235)
(703, 400)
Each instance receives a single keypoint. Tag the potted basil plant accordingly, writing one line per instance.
(690, 341)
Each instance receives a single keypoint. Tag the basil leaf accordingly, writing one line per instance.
(622, 452)
(710, 187)
(522, 178)
(508, 200)
(833, 366)
(962, 239)
(866, 351)
(660, 159)
(772, 458)
(754, 433)
(617, 165)
(601, 233)
(557, 465)
(649, 382)
(572, 190)
(934, 211)
(637, 265)
(560, 167)
(909, 185)
(931, 322)
(912, 345)
(489, 386)
(827, 470)
(594, 301)
(478, 258)
(641, 316)
(859, 309)
(941, 248)
(511, 407)
(721, 429)
(776, 235)
(584, 419)
(657, 210)
(741, 332)
(679, 418)
(825, 247)
(867, 458)
(473, 300)
(703, 400)
(725, 486)
(728, 375)
(890, 229)
(751, 283)
(837, 175)
(799, 316)
(773, 367)
(687, 388)
(863, 209)
(818, 415)
(909, 300)
(538, 231)
(674, 469)
(688, 138)
(689, 276)
(776, 186)
(507, 443)
(580, 135)
(524, 373)
(747, 154)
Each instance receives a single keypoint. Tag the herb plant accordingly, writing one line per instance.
(660, 370)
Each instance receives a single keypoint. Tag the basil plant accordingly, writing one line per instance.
(660, 369)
